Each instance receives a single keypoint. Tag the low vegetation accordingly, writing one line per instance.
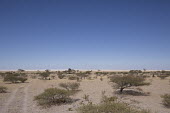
(166, 100)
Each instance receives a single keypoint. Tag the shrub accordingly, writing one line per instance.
(109, 99)
(53, 96)
(128, 81)
(3, 89)
(82, 75)
(101, 79)
(64, 85)
(14, 78)
(44, 75)
(70, 86)
(11, 78)
(72, 77)
(60, 76)
(74, 86)
(53, 76)
(166, 100)
(22, 79)
(109, 107)
(163, 76)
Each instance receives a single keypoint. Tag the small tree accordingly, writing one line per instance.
(128, 81)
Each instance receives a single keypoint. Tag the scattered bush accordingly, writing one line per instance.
(128, 81)
(53, 96)
(166, 100)
(3, 89)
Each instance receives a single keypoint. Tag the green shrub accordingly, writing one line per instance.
(10, 78)
(14, 78)
(166, 100)
(3, 89)
(109, 107)
(128, 81)
(45, 74)
(53, 96)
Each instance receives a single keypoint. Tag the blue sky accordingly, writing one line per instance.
(84, 34)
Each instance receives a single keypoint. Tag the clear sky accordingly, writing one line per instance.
(84, 34)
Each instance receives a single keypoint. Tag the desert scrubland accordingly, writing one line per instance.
(85, 91)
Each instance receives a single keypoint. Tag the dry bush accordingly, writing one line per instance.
(60, 76)
(53, 96)
(166, 100)
(3, 89)
(72, 77)
(70, 85)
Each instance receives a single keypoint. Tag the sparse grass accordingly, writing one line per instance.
(166, 100)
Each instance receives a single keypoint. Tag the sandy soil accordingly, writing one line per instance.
(19, 98)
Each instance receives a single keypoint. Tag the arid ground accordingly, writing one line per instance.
(20, 96)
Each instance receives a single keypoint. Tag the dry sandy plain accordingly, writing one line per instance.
(19, 98)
